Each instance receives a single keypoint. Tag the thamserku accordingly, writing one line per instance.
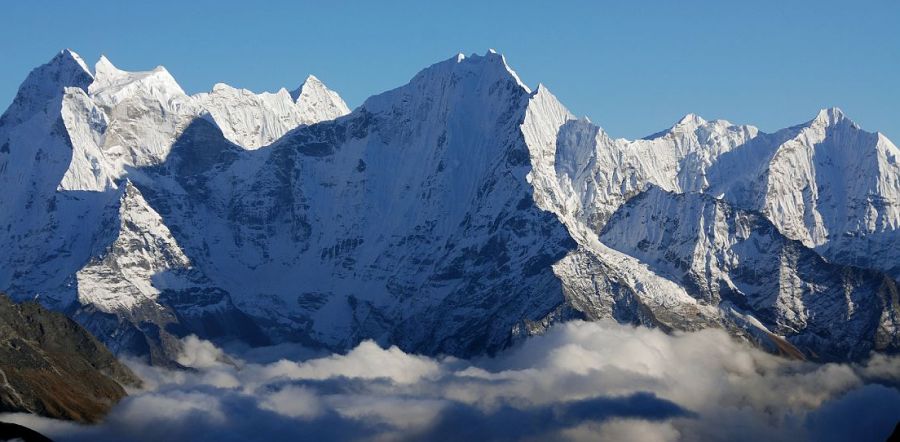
(453, 215)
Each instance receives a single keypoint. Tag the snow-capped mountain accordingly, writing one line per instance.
(826, 183)
(454, 214)
(410, 224)
(739, 260)
(255, 120)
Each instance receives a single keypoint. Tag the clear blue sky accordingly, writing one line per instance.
(632, 67)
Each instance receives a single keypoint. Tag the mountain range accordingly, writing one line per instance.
(456, 214)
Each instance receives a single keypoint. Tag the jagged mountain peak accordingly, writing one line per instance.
(438, 215)
(691, 123)
(218, 87)
(112, 85)
(141, 248)
(730, 256)
(226, 89)
(105, 67)
(311, 82)
(316, 102)
(832, 116)
(491, 63)
(497, 59)
(690, 120)
(454, 78)
(67, 56)
(46, 83)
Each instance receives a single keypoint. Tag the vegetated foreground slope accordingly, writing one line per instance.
(51, 366)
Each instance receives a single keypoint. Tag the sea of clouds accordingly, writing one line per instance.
(579, 381)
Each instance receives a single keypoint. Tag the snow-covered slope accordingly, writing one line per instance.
(598, 281)
(604, 172)
(47, 234)
(256, 120)
(587, 176)
(141, 248)
(318, 103)
(826, 183)
(454, 214)
(71, 236)
(738, 259)
(405, 221)
(125, 120)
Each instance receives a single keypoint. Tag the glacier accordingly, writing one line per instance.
(456, 214)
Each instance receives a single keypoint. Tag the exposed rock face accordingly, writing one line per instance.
(585, 178)
(738, 260)
(401, 221)
(51, 366)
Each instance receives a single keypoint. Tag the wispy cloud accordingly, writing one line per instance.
(580, 381)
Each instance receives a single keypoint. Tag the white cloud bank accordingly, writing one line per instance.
(580, 381)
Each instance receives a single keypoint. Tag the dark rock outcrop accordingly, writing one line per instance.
(51, 366)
